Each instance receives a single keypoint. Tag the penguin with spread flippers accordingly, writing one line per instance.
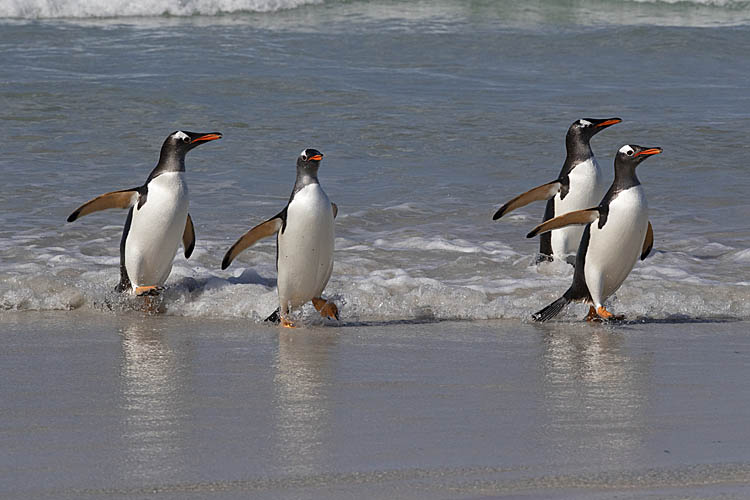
(158, 218)
(304, 243)
(616, 233)
(580, 185)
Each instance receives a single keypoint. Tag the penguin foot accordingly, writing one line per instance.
(286, 323)
(592, 316)
(543, 257)
(606, 315)
(330, 310)
(151, 290)
(326, 308)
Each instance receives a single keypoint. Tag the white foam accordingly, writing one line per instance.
(82, 9)
(363, 291)
(742, 255)
(443, 244)
(37, 9)
(704, 3)
(376, 277)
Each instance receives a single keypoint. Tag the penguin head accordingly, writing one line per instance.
(176, 146)
(628, 157)
(309, 161)
(580, 133)
(180, 142)
(631, 155)
(586, 128)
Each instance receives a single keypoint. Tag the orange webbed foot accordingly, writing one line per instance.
(606, 315)
(285, 323)
(150, 290)
(326, 308)
(592, 316)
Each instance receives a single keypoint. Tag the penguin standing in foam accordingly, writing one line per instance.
(580, 185)
(304, 243)
(616, 233)
(158, 218)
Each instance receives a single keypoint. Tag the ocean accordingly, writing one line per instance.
(430, 116)
(435, 383)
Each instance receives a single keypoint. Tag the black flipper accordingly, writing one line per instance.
(648, 242)
(188, 237)
(579, 290)
(545, 240)
(124, 285)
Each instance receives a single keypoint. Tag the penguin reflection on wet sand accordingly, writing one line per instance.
(158, 218)
(304, 243)
(617, 232)
(580, 185)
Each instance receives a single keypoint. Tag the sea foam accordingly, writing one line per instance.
(60, 280)
(81, 9)
(40, 9)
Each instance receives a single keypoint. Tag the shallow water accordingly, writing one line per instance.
(430, 114)
(126, 406)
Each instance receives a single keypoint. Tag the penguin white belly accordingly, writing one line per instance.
(586, 190)
(614, 249)
(305, 247)
(156, 230)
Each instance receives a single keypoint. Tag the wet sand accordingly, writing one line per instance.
(103, 406)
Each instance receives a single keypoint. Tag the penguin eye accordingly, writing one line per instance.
(186, 140)
(304, 157)
(629, 152)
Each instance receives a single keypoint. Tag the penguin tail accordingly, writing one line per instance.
(275, 316)
(552, 310)
(124, 285)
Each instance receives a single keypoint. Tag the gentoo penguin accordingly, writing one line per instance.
(158, 217)
(616, 232)
(304, 243)
(580, 185)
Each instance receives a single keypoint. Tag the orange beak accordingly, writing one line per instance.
(208, 137)
(650, 151)
(316, 157)
(609, 122)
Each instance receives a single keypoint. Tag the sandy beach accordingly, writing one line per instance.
(131, 406)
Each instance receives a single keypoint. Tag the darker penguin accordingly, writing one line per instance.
(616, 233)
(580, 185)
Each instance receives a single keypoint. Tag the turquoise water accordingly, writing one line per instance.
(430, 114)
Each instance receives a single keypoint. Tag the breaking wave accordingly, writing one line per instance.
(84, 9)
(42, 9)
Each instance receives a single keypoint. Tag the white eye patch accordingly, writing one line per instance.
(179, 135)
(627, 150)
(585, 123)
